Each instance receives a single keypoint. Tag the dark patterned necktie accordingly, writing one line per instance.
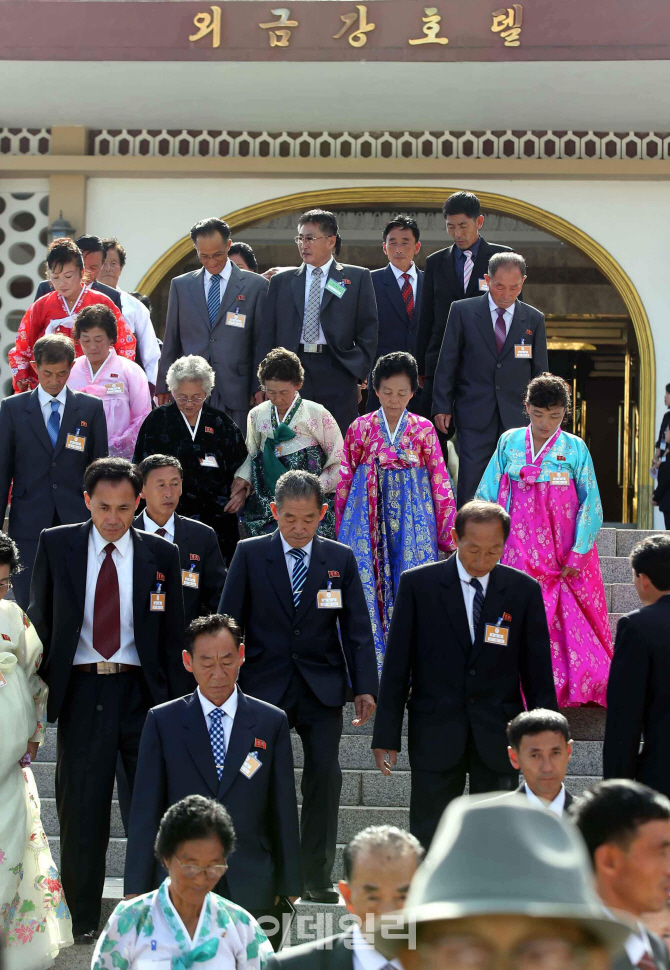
(161, 532)
(500, 330)
(214, 299)
(408, 295)
(107, 608)
(478, 604)
(647, 962)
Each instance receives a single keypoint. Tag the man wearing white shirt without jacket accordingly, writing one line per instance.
(378, 866)
(492, 348)
(626, 827)
(539, 746)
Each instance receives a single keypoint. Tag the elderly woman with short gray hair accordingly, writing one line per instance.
(208, 444)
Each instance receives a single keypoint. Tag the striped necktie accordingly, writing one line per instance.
(53, 424)
(299, 574)
(478, 604)
(467, 269)
(217, 738)
(214, 299)
(500, 330)
(310, 330)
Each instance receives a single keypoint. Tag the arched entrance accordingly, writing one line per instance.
(636, 438)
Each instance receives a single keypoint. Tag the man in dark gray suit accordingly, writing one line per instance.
(48, 437)
(492, 348)
(326, 313)
(216, 313)
(626, 827)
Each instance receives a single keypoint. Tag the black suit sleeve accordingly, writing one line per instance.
(98, 433)
(426, 316)
(171, 349)
(284, 811)
(447, 364)
(367, 330)
(537, 678)
(356, 632)
(626, 695)
(662, 485)
(40, 610)
(141, 451)
(234, 596)
(213, 575)
(147, 808)
(180, 681)
(394, 687)
(7, 445)
(539, 363)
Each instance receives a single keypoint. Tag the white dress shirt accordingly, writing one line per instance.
(469, 592)
(413, 278)
(138, 319)
(557, 806)
(290, 560)
(325, 269)
(508, 315)
(45, 403)
(229, 707)
(637, 944)
(122, 557)
(151, 526)
(365, 957)
(224, 276)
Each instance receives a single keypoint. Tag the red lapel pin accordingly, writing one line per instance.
(194, 558)
(160, 577)
(259, 744)
(333, 574)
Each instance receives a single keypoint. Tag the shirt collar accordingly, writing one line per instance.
(471, 249)
(45, 398)
(370, 958)
(122, 544)
(398, 273)
(309, 269)
(229, 706)
(556, 806)
(151, 526)
(224, 275)
(465, 576)
(494, 308)
(287, 548)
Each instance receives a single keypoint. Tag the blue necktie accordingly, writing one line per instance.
(214, 299)
(217, 739)
(478, 604)
(299, 574)
(53, 424)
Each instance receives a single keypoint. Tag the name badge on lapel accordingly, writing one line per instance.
(157, 601)
(483, 286)
(236, 319)
(251, 765)
(329, 599)
(209, 461)
(559, 478)
(523, 351)
(497, 635)
(190, 578)
(114, 387)
(337, 289)
(76, 441)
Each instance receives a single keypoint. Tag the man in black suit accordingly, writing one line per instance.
(626, 828)
(92, 251)
(539, 746)
(220, 743)
(493, 347)
(661, 494)
(326, 313)
(203, 571)
(455, 273)
(47, 438)
(378, 866)
(300, 601)
(467, 635)
(398, 290)
(638, 690)
(106, 603)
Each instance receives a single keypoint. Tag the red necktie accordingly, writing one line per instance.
(647, 962)
(161, 532)
(107, 608)
(500, 330)
(408, 295)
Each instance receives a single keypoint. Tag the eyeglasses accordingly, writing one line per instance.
(212, 872)
(308, 239)
(6, 584)
(208, 259)
(193, 399)
(539, 953)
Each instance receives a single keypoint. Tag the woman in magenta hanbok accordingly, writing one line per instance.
(121, 384)
(394, 505)
(545, 479)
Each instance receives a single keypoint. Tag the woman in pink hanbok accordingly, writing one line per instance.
(545, 479)
(121, 384)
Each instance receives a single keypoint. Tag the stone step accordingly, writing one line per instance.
(621, 598)
(616, 570)
(627, 538)
(614, 622)
(606, 542)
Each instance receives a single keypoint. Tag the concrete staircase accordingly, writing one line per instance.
(367, 797)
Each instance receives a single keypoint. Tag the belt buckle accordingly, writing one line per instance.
(107, 667)
(311, 348)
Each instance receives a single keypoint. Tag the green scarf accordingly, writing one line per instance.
(199, 954)
(272, 466)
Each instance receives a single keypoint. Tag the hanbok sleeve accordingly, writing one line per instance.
(590, 515)
(330, 439)
(29, 657)
(21, 355)
(253, 445)
(489, 487)
(116, 944)
(126, 343)
(443, 496)
(258, 947)
(139, 400)
(351, 456)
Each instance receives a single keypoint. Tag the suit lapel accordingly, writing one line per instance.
(36, 420)
(298, 291)
(343, 953)
(454, 603)
(516, 330)
(494, 607)
(70, 419)
(395, 295)
(419, 291)
(197, 742)
(77, 563)
(144, 581)
(240, 744)
(236, 287)
(485, 324)
(197, 287)
(313, 580)
(277, 572)
(454, 283)
(480, 267)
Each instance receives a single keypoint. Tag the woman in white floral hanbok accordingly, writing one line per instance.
(34, 920)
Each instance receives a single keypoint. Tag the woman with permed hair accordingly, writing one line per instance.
(545, 479)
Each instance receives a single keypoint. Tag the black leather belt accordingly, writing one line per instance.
(106, 667)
